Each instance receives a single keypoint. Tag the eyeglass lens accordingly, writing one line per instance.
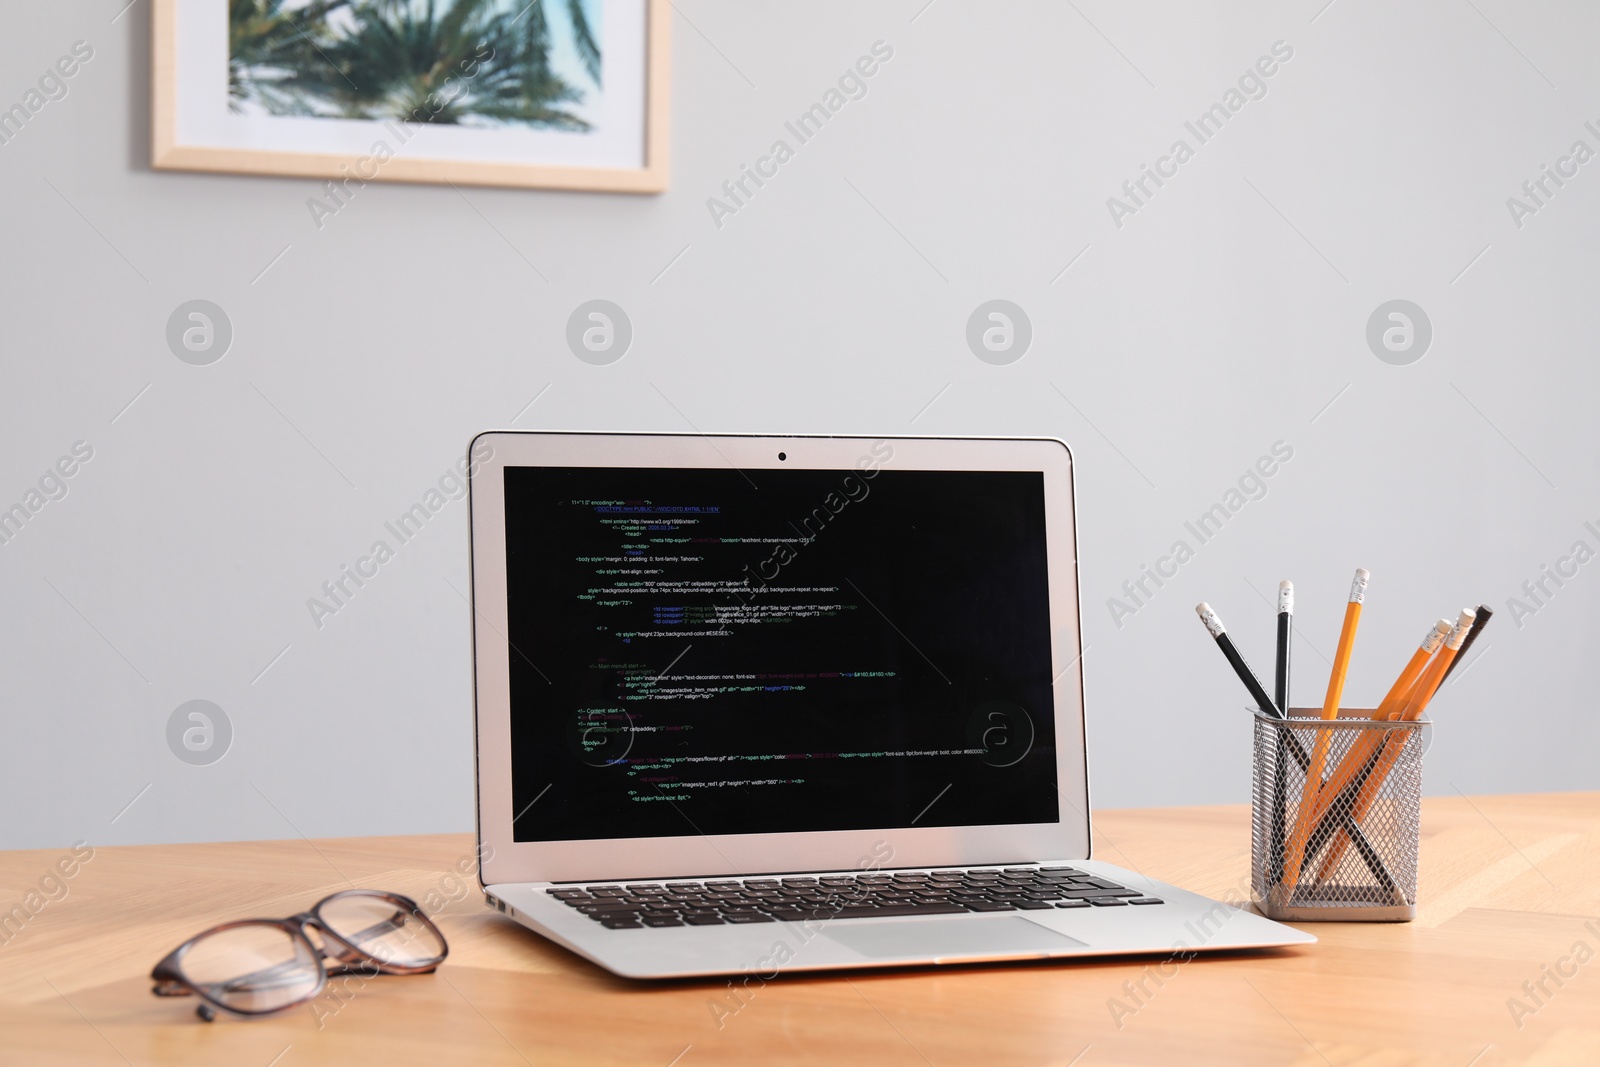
(252, 968)
(383, 929)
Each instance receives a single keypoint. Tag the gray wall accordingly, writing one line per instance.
(1227, 314)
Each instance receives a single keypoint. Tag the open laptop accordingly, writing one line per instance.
(761, 704)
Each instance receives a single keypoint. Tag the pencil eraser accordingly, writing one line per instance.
(1209, 617)
(1435, 637)
(1358, 587)
(1459, 632)
(1285, 597)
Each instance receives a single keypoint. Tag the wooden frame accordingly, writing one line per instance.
(168, 154)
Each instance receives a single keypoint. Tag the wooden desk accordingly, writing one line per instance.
(1508, 884)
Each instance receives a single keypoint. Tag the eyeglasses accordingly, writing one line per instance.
(259, 966)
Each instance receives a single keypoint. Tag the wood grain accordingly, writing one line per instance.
(1508, 884)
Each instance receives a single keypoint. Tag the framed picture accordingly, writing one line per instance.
(557, 94)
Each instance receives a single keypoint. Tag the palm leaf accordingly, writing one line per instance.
(588, 48)
(408, 60)
(267, 46)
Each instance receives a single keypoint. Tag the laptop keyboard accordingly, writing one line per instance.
(637, 905)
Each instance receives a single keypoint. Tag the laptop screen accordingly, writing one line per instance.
(710, 651)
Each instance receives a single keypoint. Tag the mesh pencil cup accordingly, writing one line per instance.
(1349, 852)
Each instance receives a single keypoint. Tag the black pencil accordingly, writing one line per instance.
(1280, 694)
(1257, 692)
(1280, 688)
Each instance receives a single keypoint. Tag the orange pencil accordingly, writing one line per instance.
(1431, 678)
(1295, 852)
(1421, 694)
(1392, 705)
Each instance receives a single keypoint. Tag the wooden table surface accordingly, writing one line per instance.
(1510, 894)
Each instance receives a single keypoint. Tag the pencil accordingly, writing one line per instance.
(1330, 710)
(1421, 693)
(1392, 705)
(1347, 640)
(1257, 692)
(1433, 676)
(1484, 612)
(1280, 694)
(1280, 686)
(1394, 701)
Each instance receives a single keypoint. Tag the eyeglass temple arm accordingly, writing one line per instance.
(271, 977)
(356, 940)
(274, 977)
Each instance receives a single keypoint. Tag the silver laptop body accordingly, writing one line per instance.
(756, 704)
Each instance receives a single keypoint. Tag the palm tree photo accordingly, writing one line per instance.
(484, 63)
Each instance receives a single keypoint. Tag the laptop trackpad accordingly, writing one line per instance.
(942, 939)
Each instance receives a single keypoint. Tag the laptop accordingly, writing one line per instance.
(758, 704)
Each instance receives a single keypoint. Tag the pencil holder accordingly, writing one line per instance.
(1344, 850)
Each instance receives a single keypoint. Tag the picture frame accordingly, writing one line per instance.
(576, 98)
